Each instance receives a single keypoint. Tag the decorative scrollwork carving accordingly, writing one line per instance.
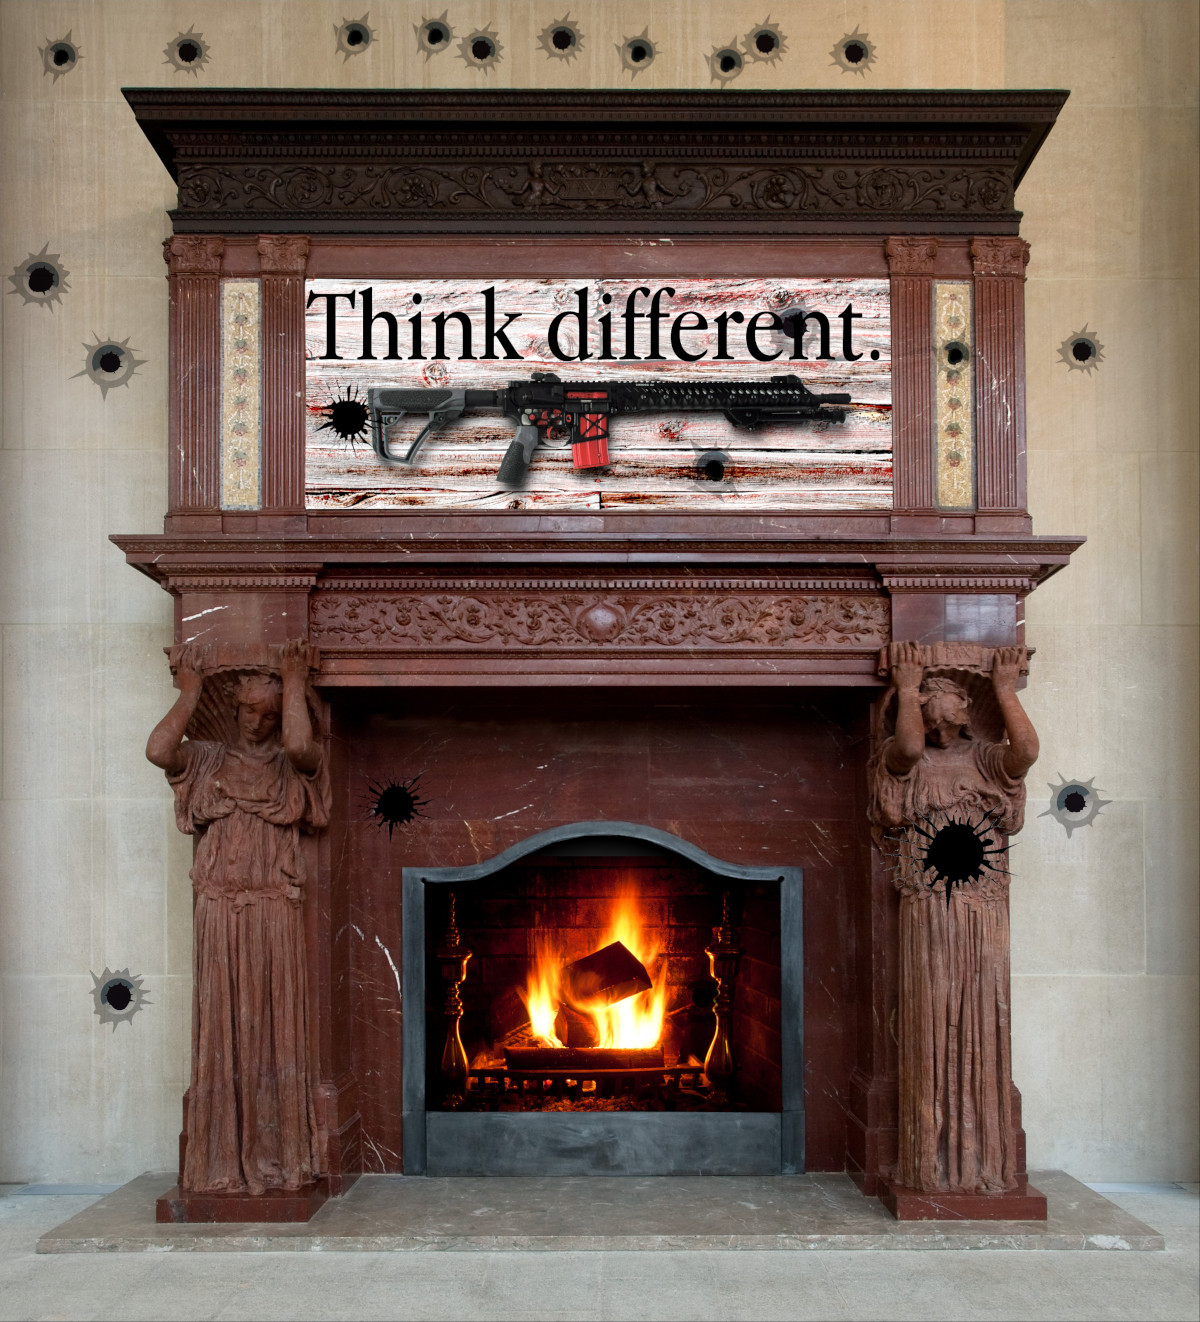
(579, 620)
(999, 256)
(418, 189)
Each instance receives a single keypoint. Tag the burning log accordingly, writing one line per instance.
(583, 1059)
(605, 977)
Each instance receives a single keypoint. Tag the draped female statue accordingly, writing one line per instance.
(943, 802)
(246, 796)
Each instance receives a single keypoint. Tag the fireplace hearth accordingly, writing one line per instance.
(582, 1004)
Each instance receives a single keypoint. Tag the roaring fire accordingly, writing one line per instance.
(637, 1021)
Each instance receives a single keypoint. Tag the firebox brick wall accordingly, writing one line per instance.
(1104, 941)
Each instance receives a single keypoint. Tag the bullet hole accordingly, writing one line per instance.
(1074, 803)
(481, 49)
(433, 35)
(954, 850)
(764, 42)
(956, 353)
(711, 465)
(394, 803)
(187, 53)
(117, 997)
(637, 53)
(561, 40)
(724, 64)
(110, 363)
(354, 35)
(40, 278)
(346, 416)
(854, 53)
(59, 57)
(1082, 352)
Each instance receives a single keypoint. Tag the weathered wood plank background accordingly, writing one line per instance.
(806, 466)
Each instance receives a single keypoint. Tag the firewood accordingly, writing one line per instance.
(583, 1058)
(606, 976)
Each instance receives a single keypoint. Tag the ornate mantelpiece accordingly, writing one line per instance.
(914, 189)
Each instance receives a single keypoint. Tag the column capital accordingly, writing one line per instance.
(911, 256)
(999, 256)
(194, 254)
(282, 254)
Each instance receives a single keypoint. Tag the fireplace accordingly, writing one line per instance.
(663, 680)
(589, 1007)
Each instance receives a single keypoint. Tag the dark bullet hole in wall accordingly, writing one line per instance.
(41, 279)
(765, 42)
(638, 52)
(435, 34)
(188, 52)
(482, 49)
(563, 38)
(1082, 350)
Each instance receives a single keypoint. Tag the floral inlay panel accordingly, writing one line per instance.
(953, 396)
(241, 387)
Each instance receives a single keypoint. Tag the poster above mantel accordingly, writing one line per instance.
(691, 393)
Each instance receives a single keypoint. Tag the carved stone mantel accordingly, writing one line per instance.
(629, 162)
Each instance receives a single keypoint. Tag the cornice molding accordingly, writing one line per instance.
(327, 161)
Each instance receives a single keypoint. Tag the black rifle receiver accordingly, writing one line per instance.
(584, 409)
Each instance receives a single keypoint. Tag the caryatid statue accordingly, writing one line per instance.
(247, 795)
(943, 801)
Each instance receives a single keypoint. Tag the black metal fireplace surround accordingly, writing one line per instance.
(444, 1142)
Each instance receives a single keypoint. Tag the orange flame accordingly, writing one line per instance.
(543, 995)
(636, 1021)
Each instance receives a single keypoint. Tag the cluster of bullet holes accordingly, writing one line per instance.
(60, 57)
(712, 465)
(481, 49)
(854, 53)
(1082, 352)
(117, 997)
(40, 278)
(187, 53)
(637, 53)
(561, 40)
(1074, 803)
(393, 803)
(354, 35)
(109, 363)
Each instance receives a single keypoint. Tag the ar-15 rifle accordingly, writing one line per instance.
(584, 409)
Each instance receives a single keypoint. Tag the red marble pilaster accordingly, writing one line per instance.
(911, 264)
(194, 417)
(283, 259)
(999, 272)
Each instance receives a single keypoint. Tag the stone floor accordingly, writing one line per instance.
(450, 1282)
(565, 1214)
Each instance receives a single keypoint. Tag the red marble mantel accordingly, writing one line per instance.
(718, 651)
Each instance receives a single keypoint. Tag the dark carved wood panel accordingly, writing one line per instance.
(397, 162)
(912, 263)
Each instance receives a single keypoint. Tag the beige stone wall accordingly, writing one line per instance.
(93, 872)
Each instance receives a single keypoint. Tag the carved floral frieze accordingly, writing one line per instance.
(528, 188)
(574, 620)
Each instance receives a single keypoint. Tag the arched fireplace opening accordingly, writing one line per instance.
(603, 998)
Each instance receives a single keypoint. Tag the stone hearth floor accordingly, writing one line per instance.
(399, 1214)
